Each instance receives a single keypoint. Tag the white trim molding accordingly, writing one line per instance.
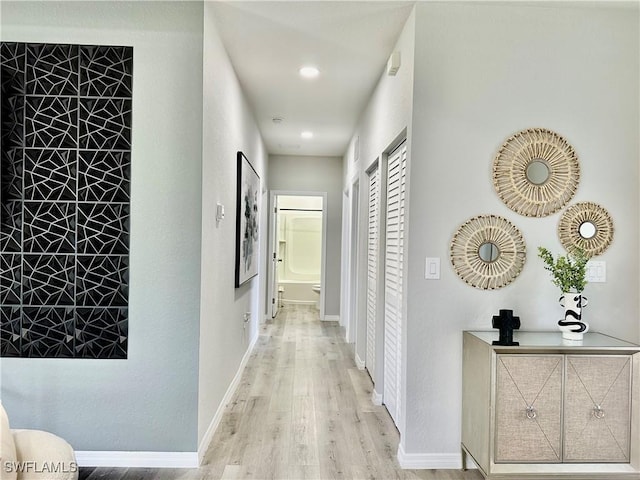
(331, 318)
(137, 459)
(359, 362)
(298, 302)
(431, 461)
(217, 418)
(376, 398)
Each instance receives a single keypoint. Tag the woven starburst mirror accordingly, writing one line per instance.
(588, 226)
(536, 172)
(488, 252)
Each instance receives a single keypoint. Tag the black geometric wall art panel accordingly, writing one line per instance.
(52, 69)
(103, 124)
(51, 122)
(48, 332)
(103, 228)
(12, 67)
(102, 281)
(12, 121)
(65, 175)
(10, 331)
(104, 176)
(48, 280)
(106, 71)
(10, 226)
(10, 278)
(50, 174)
(101, 332)
(11, 168)
(49, 227)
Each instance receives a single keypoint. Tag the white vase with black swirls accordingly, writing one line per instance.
(572, 326)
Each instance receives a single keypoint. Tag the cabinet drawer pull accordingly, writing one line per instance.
(531, 413)
(598, 412)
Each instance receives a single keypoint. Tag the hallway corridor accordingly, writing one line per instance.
(302, 411)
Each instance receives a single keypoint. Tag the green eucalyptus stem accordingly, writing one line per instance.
(568, 271)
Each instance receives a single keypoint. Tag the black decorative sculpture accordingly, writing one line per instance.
(506, 323)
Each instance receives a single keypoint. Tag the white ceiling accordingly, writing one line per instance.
(350, 43)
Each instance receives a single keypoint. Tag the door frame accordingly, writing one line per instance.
(273, 194)
(272, 291)
(354, 261)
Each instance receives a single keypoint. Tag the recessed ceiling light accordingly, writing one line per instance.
(309, 72)
(307, 134)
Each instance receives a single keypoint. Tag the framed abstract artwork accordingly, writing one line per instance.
(247, 221)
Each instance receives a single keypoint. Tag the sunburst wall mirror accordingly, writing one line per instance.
(588, 226)
(488, 252)
(536, 172)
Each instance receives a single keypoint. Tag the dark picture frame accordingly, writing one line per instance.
(247, 221)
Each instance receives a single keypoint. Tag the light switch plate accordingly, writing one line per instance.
(432, 268)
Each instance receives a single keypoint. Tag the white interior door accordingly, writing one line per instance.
(273, 276)
(393, 284)
(372, 268)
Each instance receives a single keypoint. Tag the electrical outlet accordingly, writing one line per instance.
(596, 271)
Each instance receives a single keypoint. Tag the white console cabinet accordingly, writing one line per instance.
(549, 408)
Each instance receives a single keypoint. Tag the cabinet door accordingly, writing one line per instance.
(597, 408)
(528, 408)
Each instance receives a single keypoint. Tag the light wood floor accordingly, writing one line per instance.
(302, 411)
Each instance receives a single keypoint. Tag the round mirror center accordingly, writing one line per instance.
(488, 252)
(537, 172)
(587, 230)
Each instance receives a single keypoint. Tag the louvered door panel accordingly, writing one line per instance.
(393, 288)
(597, 408)
(372, 269)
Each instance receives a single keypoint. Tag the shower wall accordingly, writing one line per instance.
(300, 249)
(64, 200)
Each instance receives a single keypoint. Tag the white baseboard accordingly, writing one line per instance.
(331, 318)
(376, 398)
(359, 362)
(431, 461)
(215, 421)
(137, 459)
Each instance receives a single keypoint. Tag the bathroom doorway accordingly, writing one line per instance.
(298, 248)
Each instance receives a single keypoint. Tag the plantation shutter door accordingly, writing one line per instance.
(394, 240)
(372, 269)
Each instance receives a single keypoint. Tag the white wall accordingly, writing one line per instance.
(483, 72)
(385, 119)
(186, 331)
(228, 126)
(317, 174)
(149, 401)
